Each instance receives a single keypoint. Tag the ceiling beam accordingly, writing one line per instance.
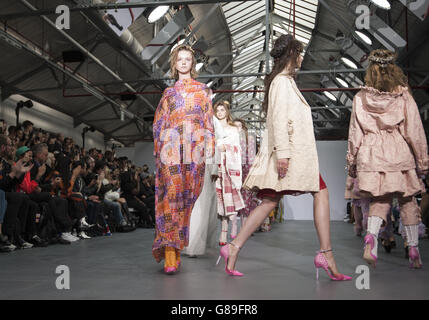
(110, 6)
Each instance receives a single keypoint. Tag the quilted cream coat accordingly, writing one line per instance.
(289, 134)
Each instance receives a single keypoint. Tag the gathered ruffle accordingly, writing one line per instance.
(376, 184)
(385, 93)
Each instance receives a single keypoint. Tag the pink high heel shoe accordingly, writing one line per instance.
(370, 250)
(170, 270)
(414, 258)
(320, 261)
(224, 253)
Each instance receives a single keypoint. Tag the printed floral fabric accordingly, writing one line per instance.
(183, 143)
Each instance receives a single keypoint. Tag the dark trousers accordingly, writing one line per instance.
(20, 216)
(95, 213)
(142, 210)
(58, 208)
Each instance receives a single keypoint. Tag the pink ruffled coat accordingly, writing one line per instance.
(387, 143)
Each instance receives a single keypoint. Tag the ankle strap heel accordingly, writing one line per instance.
(324, 251)
(234, 245)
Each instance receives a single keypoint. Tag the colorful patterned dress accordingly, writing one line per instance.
(183, 138)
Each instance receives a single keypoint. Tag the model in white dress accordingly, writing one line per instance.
(202, 228)
(229, 181)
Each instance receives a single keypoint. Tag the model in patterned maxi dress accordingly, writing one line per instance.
(183, 139)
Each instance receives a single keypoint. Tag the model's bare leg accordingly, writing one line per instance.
(256, 217)
(322, 224)
(243, 221)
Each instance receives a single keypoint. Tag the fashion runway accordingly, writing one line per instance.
(276, 264)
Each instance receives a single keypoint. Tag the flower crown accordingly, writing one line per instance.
(382, 61)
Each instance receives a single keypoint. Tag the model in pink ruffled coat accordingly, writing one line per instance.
(387, 150)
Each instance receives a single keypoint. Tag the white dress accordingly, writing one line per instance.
(203, 223)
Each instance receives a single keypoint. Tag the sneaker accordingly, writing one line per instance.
(83, 235)
(107, 232)
(24, 245)
(68, 237)
(59, 240)
(84, 225)
(38, 242)
(5, 245)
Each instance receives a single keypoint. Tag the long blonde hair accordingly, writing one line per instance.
(173, 61)
(226, 105)
(382, 73)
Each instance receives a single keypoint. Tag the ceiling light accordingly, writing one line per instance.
(199, 66)
(329, 95)
(158, 13)
(364, 37)
(342, 82)
(383, 4)
(349, 63)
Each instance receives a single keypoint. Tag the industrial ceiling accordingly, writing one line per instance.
(109, 68)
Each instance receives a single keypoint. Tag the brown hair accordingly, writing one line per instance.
(173, 60)
(226, 105)
(285, 52)
(382, 73)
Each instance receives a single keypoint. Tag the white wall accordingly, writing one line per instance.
(332, 160)
(50, 120)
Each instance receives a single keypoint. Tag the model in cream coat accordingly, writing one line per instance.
(290, 135)
(290, 162)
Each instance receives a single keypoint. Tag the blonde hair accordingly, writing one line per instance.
(173, 61)
(226, 105)
(382, 73)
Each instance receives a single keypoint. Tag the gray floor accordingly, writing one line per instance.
(277, 265)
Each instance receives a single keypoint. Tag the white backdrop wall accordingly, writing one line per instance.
(50, 120)
(332, 160)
